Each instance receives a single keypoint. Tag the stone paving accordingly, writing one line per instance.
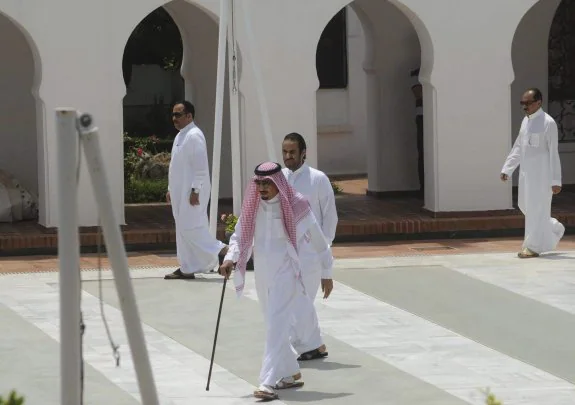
(406, 324)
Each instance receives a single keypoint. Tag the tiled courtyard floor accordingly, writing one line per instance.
(403, 327)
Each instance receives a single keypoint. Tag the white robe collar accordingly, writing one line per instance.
(304, 167)
(536, 113)
(272, 201)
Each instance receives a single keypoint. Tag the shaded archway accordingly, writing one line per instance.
(151, 69)
(184, 63)
(367, 120)
(21, 134)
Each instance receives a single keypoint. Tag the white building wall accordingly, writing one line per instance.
(466, 135)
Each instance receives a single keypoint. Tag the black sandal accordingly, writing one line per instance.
(178, 275)
(312, 355)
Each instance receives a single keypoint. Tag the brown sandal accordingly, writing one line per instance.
(266, 394)
(527, 254)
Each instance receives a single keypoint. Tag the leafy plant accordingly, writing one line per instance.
(13, 399)
(145, 191)
(230, 221)
(336, 188)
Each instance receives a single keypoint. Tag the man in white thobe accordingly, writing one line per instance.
(315, 186)
(536, 151)
(189, 193)
(276, 223)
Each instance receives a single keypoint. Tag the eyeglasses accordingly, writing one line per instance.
(178, 114)
(527, 103)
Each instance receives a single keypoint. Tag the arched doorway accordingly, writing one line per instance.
(367, 61)
(21, 153)
(543, 55)
(170, 56)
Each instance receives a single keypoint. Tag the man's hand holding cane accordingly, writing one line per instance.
(226, 269)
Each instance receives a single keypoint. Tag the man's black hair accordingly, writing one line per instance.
(537, 95)
(188, 107)
(295, 137)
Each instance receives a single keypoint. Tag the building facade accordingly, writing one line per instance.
(475, 60)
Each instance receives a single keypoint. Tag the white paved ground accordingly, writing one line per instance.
(411, 330)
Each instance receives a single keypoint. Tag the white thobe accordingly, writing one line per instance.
(197, 249)
(536, 152)
(278, 290)
(316, 187)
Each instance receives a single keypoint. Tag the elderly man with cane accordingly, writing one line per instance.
(275, 223)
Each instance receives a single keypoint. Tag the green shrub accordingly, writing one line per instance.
(150, 144)
(13, 399)
(145, 191)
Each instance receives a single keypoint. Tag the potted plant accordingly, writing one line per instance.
(230, 221)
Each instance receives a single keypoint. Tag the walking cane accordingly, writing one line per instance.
(216, 335)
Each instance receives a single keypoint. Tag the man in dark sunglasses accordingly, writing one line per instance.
(536, 150)
(189, 193)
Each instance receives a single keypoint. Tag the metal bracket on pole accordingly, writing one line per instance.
(68, 248)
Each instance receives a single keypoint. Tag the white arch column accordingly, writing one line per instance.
(289, 83)
(468, 94)
(73, 83)
(199, 70)
(375, 174)
(530, 55)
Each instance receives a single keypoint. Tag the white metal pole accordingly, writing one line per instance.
(69, 256)
(118, 260)
(219, 116)
(251, 49)
(234, 91)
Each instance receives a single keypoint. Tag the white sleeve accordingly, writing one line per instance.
(320, 246)
(514, 158)
(197, 154)
(554, 161)
(233, 253)
(328, 209)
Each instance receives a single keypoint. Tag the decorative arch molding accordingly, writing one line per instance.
(326, 12)
(33, 48)
(24, 95)
(141, 9)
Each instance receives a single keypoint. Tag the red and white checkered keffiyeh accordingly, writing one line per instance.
(294, 208)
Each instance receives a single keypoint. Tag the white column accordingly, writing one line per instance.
(469, 93)
(374, 172)
(530, 55)
(85, 94)
(289, 83)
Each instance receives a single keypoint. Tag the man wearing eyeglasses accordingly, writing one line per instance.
(189, 193)
(536, 149)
